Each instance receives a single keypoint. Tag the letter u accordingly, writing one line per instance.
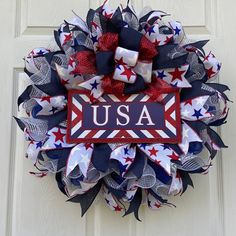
(95, 115)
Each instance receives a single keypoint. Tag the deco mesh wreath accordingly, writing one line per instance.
(124, 107)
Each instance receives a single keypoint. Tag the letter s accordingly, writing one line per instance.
(120, 113)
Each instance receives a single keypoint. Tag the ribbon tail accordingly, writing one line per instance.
(135, 205)
(87, 198)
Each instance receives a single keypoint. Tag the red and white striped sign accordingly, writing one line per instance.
(130, 119)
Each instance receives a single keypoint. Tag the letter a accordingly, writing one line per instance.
(145, 115)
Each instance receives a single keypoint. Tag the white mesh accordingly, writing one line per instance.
(36, 128)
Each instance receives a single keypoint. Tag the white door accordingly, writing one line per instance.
(32, 206)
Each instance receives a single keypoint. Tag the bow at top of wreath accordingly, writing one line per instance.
(119, 48)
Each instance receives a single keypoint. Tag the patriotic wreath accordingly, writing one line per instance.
(115, 52)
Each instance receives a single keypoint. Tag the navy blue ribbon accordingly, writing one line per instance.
(138, 86)
(186, 180)
(135, 204)
(195, 91)
(163, 61)
(25, 96)
(160, 173)
(130, 39)
(138, 165)
(101, 156)
(87, 198)
(105, 63)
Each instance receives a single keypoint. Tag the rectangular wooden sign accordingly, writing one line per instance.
(117, 119)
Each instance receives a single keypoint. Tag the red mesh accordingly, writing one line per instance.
(86, 62)
(111, 86)
(147, 50)
(157, 88)
(108, 42)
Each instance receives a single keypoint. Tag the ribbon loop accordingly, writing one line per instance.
(159, 36)
(125, 74)
(130, 38)
(126, 56)
(145, 70)
(105, 63)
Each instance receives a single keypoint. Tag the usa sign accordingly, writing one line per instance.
(130, 119)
